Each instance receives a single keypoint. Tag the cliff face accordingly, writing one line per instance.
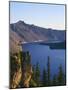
(21, 31)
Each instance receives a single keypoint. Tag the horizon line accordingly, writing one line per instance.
(36, 25)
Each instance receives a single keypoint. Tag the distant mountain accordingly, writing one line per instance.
(21, 31)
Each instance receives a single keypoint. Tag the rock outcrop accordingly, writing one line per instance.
(20, 69)
(16, 72)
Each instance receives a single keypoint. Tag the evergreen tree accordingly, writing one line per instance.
(37, 74)
(33, 76)
(28, 58)
(61, 75)
(54, 83)
(33, 82)
(44, 78)
(48, 71)
(26, 70)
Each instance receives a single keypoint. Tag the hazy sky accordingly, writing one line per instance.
(43, 15)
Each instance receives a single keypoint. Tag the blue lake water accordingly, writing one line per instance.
(39, 53)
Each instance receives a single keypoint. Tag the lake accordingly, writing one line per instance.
(39, 53)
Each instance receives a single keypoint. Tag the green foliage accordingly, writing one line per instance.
(61, 76)
(37, 74)
(25, 64)
(48, 71)
(33, 83)
(33, 75)
(54, 81)
(44, 78)
(28, 58)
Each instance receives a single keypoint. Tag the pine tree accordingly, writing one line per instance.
(54, 83)
(28, 58)
(33, 76)
(33, 81)
(44, 78)
(26, 70)
(48, 71)
(37, 74)
(61, 76)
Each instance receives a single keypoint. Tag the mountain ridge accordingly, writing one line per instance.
(22, 22)
(20, 31)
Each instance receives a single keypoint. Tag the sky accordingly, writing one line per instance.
(43, 15)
